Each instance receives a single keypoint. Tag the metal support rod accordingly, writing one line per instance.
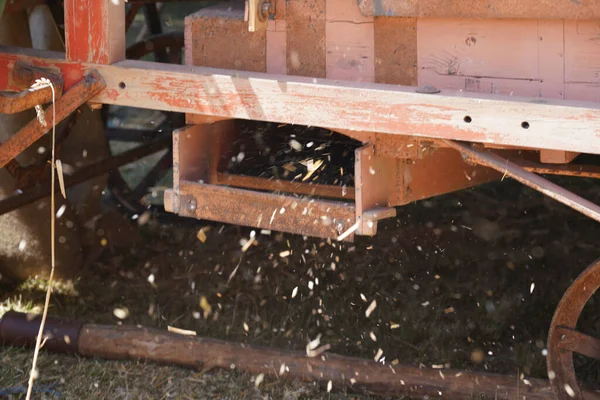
(30, 133)
(578, 170)
(12, 103)
(527, 178)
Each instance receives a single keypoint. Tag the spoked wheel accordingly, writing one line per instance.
(564, 339)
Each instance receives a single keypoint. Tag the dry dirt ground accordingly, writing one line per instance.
(468, 280)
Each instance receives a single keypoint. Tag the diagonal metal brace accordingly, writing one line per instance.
(12, 103)
(527, 178)
(80, 93)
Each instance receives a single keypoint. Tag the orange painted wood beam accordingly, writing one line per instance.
(388, 109)
(95, 30)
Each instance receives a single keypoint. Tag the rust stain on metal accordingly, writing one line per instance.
(251, 182)
(13, 103)
(298, 215)
(563, 339)
(24, 66)
(377, 180)
(23, 77)
(577, 342)
(34, 130)
(440, 172)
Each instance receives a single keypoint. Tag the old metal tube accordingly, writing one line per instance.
(18, 329)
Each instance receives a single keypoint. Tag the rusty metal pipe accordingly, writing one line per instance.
(527, 178)
(18, 329)
(12, 103)
(75, 97)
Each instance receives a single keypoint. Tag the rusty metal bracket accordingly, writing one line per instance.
(527, 178)
(298, 215)
(376, 180)
(23, 76)
(12, 103)
(35, 129)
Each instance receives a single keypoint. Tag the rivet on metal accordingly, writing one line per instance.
(192, 205)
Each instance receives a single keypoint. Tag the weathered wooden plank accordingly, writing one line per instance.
(276, 58)
(557, 156)
(95, 30)
(306, 37)
(531, 9)
(583, 91)
(396, 50)
(208, 42)
(467, 54)
(582, 60)
(350, 42)
(582, 53)
(218, 37)
(552, 72)
(514, 57)
(370, 107)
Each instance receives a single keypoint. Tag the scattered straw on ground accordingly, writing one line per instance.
(465, 281)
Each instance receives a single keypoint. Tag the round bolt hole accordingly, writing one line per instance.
(467, 119)
(122, 85)
(525, 125)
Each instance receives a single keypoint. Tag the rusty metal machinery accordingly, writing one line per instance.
(564, 339)
(427, 96)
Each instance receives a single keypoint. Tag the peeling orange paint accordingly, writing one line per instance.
(368, 107)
